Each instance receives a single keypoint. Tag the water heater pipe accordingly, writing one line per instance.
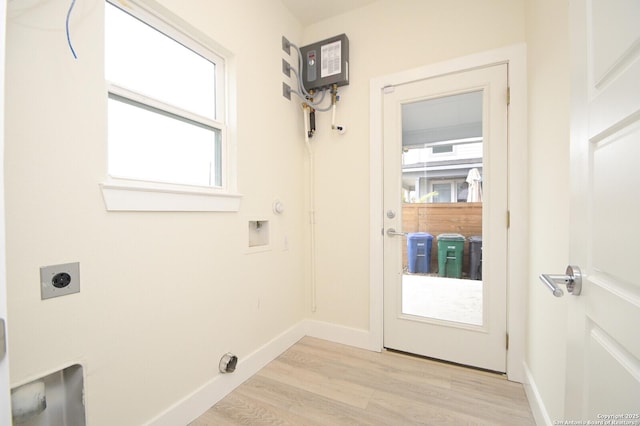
(312, 201)
(334, 101)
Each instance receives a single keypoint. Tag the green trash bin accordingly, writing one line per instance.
(450, 251)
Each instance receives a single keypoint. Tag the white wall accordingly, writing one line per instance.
(385, 37)
(156, 287)
(163, 295)
(548, 59)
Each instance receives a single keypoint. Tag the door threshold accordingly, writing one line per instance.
(444, 361)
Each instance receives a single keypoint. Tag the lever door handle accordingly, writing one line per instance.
(572, 279)
(392, 232)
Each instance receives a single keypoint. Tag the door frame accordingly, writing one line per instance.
(517, 241)
(5, 398)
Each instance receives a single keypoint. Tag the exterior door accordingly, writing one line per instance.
(5, 399)
(472, 334)
(603, 354)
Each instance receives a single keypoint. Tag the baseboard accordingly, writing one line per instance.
(192, 406)
(339, 334)
(536, 404)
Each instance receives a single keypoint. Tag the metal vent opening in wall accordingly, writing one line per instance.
(228, 363)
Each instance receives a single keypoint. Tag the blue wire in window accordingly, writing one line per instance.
(73, 2)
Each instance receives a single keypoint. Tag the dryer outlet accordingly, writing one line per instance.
(59, 280)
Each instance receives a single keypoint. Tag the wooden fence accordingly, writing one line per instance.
(443, 218)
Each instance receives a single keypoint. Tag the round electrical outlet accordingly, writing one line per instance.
(61, 280)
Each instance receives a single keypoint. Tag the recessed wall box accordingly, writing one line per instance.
(326, 63)
(258, 233)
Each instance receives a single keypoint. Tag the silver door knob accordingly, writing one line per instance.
(572, 279)
(391, 232)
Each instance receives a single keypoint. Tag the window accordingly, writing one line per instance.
(443, 192)
(448, 191)
(441, 149)
(166, 112)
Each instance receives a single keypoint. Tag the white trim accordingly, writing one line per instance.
(339, 334)
(126, 195)
(518, 236)
(139, 98)
(536, 403)
(195, 404)
(131, 195)
(376, 224)
(5, 395)
(166, 22)
(176, 28)
(515, 57)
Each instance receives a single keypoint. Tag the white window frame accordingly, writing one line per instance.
(138, 195)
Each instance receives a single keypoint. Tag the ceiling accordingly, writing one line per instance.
(445, 118)
(311, 11)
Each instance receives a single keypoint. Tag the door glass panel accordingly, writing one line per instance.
(442, 208)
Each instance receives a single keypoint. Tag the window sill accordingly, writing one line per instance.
(146, 196)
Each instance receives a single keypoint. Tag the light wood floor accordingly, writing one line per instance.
(317, 382)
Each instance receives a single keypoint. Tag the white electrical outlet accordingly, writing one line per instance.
(59, 280)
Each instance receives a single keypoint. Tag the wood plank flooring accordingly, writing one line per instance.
(317, 382)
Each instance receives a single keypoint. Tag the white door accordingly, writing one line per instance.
(445, 331)
(603, 356)
(5, 399)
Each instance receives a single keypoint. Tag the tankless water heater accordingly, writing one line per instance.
(326, 63)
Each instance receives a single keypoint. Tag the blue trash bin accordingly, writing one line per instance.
(419, 252)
